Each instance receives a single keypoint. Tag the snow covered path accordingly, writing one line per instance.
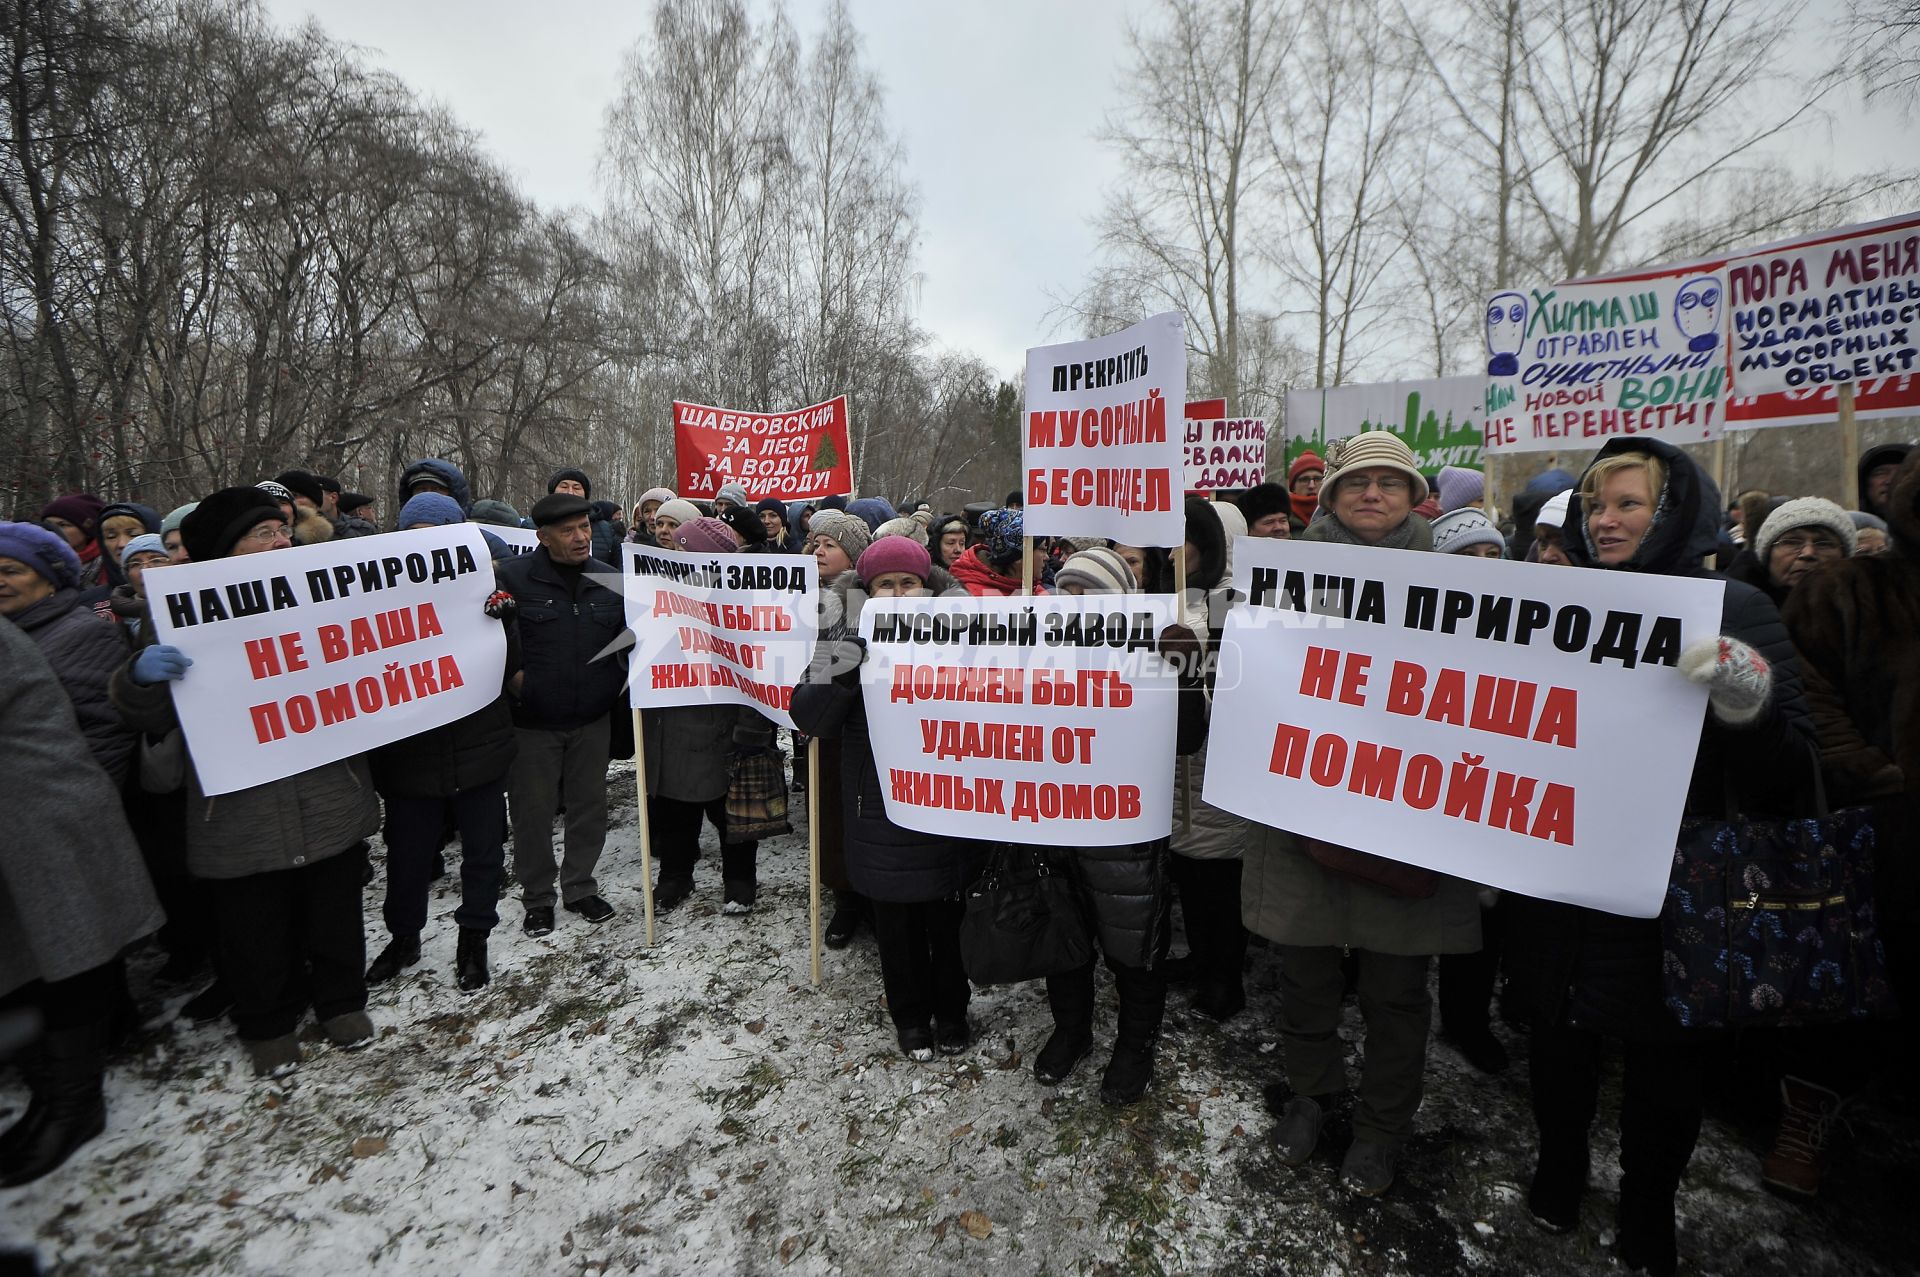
(604, 1108)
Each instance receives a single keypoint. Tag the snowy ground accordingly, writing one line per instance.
(606, 1108)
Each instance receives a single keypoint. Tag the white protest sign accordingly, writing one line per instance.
(1097, 453)
(1513, 724)
(519, 540)
(1045, 721)
(719, 629)
(1845, 308)
(1572, 366)
(1225, 455)
(308, 655)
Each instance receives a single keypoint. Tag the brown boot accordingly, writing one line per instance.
(1799, 1157)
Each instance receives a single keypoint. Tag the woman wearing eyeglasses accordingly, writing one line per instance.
(1317, 902)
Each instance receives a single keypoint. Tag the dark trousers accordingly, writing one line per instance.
(86, 997)
(1467, 980)
(553, 767)
(1396, 1007)
(291, 939)
(920, 965)
(414, 826)
(1659, 1112)
(675, 829)
(1210, 903)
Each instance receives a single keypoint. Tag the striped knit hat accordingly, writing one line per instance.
(1365, 451)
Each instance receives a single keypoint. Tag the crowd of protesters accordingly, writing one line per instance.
(254, 898)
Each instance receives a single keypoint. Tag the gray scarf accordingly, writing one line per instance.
(1414, 534)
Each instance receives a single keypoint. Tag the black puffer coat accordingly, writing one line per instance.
(1593, 970)
(562, 630)
(84, 651)
(454, 757)
(884, 861)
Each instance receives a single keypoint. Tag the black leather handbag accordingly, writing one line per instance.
(1023, 920)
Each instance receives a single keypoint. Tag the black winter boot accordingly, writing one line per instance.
(470, 961)
(849, 911)
(401, 952)
(1143, 1001)
(1070, 995)
(73, 1109)
(33, 1068)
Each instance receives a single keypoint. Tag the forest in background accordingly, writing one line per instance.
(229, 248)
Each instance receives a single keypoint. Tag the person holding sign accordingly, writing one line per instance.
(1586, 975)
(1317, 901)
(911, 880)
(1122, 893)
(454, 774)
(283, 861)
(567, 686)
(691, 750)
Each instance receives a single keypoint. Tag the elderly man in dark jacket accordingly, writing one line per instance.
(566, 688)
(283, 861)
(38, 576)
(72, 897)
(573, 481)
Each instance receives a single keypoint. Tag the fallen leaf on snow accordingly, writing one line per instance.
(230, 1198)
(791, 1246)
(325, 1173)
(756, 1026)
(959, 1131)
(978, 1226)
(566, 1244)
(1193, 1108)
(368, 1145)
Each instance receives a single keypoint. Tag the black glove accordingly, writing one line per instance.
(848, 655)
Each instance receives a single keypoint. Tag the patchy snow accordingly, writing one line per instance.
(606, 1108)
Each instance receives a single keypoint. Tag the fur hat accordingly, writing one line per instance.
(705, 535)
(1264, 499)
(1096, 571)
(220, 520)
(435, 509)
(848, 532)
(1459, 487)
(893, 554)
(1806, 512)
(1371, 449)
(1455, 530)
(43, 550)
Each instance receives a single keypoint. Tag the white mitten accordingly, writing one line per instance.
(1738, 679)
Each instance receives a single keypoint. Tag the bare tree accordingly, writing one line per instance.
(1198, 168)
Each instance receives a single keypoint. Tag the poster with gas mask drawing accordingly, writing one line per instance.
(1574, 365)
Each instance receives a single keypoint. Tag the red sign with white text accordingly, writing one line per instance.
(794, 456)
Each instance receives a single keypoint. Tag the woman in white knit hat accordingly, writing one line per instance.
(1796, 540)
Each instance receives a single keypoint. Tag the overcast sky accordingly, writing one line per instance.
(997, 100)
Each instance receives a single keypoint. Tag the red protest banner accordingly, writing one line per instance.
(794, 456)
(1206, 409)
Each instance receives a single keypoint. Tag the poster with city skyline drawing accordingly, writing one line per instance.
(1439, 418)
